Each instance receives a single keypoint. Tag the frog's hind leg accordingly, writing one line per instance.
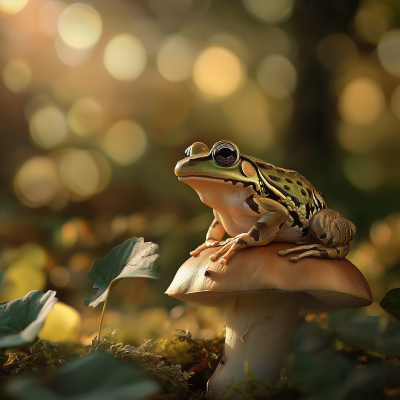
(331, 229)
(334, 234)
(318, 250)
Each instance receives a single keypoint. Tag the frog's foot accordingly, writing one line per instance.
(231, 245)
(317, 250)
(206, 245)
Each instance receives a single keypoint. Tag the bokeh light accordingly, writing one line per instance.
(81, 172)
(85, 116)
(69, 234)
(217, 72)
(20, 280)
(170, 8)
(395, 102)
(389, 52)
(59, 276)
(372, 21)
(380, 233)
(25, 272)
(35, 104)
(119, 225)
(69, 55)
(36, 182)
(248, 112)
(12, 6)
(62, 324)
(48, 127)
(17, 76)
(48, 16)
(175, 59)
(363, 173)
(231, 42)
(125, 57)
(270, 11)
(125, 142)
(277, 76)
(361, 101)
(363, 139)
(277, 41)
(80, 26)
(337, 50)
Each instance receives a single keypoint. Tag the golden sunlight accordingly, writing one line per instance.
(361, 102)
(48, 127)
(12, 6)
(175, 59)
(217, 72)
(125, 142)
(85, 116)
(125, 57)
(80, 26)
(17, 76)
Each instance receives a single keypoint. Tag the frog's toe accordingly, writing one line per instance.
(297, 249)
(213, 257)
(309, 253)
(224, 249)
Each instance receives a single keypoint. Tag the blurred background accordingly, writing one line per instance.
(99, 99)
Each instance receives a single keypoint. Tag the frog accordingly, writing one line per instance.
(255, 203)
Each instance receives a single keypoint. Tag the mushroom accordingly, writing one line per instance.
(264, 294)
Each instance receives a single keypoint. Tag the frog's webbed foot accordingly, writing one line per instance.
(231, 245)
(206, 245)
(317, 250)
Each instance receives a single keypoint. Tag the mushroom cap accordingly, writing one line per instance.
(327, 284)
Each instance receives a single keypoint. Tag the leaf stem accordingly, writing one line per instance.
(102, 317)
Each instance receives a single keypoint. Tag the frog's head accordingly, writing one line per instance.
(223, 164)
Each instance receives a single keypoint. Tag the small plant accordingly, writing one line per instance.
(132, 259)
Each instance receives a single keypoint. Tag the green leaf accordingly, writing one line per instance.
(98, 376)
(310, 338)
(368, 382)
(376, 333)
(319, 374)
(391, 302)
(22, 319)
(132, 259)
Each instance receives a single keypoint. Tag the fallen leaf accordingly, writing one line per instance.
(22, 319)
(98, 376)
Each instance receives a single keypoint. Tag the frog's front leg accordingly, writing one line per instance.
(214, 235)
(334, 233)
(274, 215)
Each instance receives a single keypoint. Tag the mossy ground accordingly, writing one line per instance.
(182, 365)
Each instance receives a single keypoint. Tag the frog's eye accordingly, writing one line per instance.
(225, 155)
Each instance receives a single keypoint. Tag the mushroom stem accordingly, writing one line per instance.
(259, 329)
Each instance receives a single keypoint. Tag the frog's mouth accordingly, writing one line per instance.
(227, 181)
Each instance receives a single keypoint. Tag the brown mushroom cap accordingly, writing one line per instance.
(327, 284)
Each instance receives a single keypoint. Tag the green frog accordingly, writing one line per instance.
(255, 203)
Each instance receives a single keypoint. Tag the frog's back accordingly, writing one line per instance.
(289, 184)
